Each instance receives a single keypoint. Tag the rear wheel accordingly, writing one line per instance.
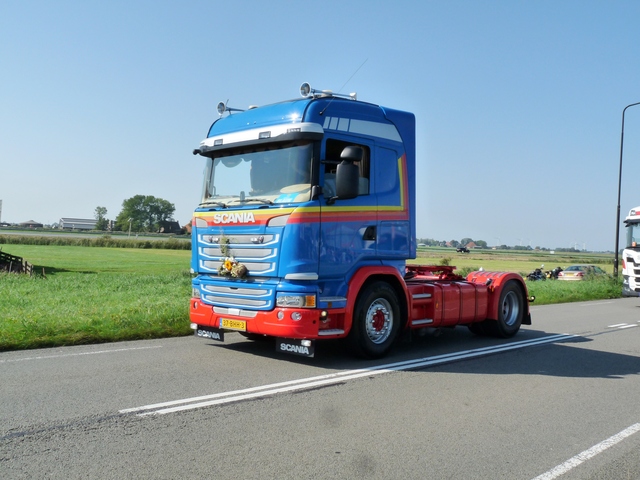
(511, 310)
(376, 321)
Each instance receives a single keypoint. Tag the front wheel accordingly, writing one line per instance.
(376, 321)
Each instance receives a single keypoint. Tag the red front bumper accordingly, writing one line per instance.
(275, 323)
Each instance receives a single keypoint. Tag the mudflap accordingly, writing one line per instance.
(209, 332)
(304, 348)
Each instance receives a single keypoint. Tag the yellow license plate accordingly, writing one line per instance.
(230, 324)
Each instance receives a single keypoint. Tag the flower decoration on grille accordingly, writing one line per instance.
(230, 266)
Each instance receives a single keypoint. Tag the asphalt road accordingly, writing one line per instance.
(559, 400)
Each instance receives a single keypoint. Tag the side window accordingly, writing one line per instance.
(386, 170)
(333, 150)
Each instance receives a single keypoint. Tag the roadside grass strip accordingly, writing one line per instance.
(329, 379)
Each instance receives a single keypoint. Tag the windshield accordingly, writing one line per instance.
(273, 174)
(633, 235)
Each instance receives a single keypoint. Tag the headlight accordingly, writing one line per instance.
(195, 292)
(296, 301)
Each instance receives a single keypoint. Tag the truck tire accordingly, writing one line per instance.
(376, 321)
(511, 310)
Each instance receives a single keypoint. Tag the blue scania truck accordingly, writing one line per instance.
(305, 225)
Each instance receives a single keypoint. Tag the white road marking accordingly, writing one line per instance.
(590, 453)
(63, 355)
(591, 304)
(620, 326)
(329, 379)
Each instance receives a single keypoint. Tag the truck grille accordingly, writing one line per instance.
(258, 253)
(245, 296)
(636, 267)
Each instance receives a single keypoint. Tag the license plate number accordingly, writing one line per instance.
(230, 324)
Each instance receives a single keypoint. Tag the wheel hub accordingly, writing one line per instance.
(379, 319)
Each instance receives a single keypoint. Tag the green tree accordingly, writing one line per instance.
(100, 215)
(466, 241)
(144, 213)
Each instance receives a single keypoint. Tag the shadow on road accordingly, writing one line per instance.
(567, 357)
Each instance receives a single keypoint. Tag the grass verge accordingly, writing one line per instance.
(92, 295)
(83, 308)
(556, 291)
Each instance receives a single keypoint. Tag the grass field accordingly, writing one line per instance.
(521, 262)
(84, 295)
(92, 295)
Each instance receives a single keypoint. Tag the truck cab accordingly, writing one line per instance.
(631, 255)
(306, 221)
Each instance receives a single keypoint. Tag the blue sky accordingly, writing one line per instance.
(518, 103)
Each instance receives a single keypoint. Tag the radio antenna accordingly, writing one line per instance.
(345, 83)
(353, 74)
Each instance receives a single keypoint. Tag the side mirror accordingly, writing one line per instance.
(348, 174)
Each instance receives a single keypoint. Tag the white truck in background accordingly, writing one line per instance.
(631, 255)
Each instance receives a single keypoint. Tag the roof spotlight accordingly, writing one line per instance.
(305, 89)
(221, 108)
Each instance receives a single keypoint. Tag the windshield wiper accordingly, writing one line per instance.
(213, 202)
(261, 200)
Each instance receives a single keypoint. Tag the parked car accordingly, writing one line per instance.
(579, 272)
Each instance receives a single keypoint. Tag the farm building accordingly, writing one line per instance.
(30, 224)
(170, 226)
(78, 223)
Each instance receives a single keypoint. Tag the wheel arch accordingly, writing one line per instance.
(368, 275)
(495, 282)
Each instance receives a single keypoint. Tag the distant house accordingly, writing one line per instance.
(169, 226)
(78, 223)
(30, 224)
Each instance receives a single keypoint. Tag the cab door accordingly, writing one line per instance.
(348, 227)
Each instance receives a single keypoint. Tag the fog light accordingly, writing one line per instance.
(296, 316)
(194, 326)
(280, 315)
(305, 343)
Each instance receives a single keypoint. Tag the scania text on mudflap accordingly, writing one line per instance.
(305, 225)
